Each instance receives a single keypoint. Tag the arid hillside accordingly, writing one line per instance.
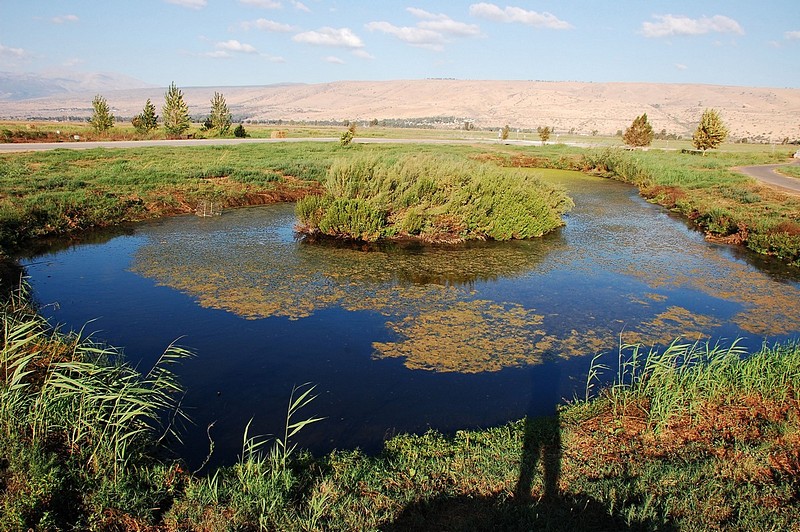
(765, 114)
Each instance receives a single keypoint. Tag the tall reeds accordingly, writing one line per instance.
(435, 198)
(686, 376)
(67, 389)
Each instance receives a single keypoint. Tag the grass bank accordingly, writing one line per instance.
(433, 198)
(693, 438)
(51, 193)
(727, 205)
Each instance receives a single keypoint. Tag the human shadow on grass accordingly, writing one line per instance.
(537, 502)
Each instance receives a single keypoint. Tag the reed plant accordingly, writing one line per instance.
(267, 489)
(434, 198)
(73, 412)
(685, 377)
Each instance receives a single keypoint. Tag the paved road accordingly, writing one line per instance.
(766, 173)
(44, 146)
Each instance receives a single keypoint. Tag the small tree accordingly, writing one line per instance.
(710, 132)
(220, 118)
(175, 112)
(544, 133)
(640, 132)
(348, 136)
(147, 120)
(239, 132)
(504, 132)
(102, 119)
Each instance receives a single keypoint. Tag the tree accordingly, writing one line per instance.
(239, 132)
(640, 132)
(505, 132)
(147, 120)
(102, 119)
(175, 112)
(544, 133)
(710, 132)
(347, 136)
(220, 117)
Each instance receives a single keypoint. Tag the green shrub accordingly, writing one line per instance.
(353, 218)
(433, 197)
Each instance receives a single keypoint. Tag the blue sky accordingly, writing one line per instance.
(255, 42)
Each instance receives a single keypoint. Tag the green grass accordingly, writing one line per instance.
(434, 198)
(793, 171)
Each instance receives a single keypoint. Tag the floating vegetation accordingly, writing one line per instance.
(469, 337)
(614, 273)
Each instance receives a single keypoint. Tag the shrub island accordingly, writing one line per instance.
(430, 198)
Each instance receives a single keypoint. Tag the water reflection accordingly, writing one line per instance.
(621, 270)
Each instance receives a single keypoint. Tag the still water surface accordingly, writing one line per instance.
(404, 338)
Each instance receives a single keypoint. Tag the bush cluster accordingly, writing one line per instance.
(434, 198)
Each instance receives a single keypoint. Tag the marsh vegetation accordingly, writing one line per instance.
(435, 199)
(687, 435)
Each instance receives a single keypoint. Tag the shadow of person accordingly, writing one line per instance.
(537, 502)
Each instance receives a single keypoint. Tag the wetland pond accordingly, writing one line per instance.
(405, 337)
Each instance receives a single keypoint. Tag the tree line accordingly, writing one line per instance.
(174, 116)
(710, 132)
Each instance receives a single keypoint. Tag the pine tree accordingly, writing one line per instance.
(544, 133)
(147, 120)
(175, 112)
(102, 119)
(640, 132)
(711, 132)
(220, 117)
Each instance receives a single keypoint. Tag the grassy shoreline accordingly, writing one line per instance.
(694, 437)
(63, 192)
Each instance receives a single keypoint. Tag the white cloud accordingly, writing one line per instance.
(333, 59)
(300, 6)
(64, 18)
(414, 36)
(191, 4)
(669, 25)
(216, 54)
(511, 14)
(338, 37)
(235, 46)
(268, 25)
(681, 66)
(263, 4)
(443, 23)
(792, 35)
(14, 53)
(363, 54)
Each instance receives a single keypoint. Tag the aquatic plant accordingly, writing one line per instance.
(433, 198)
(72, 413)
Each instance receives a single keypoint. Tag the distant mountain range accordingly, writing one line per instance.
(16, 87)
(755, 113)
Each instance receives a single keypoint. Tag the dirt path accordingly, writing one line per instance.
(766, 174)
